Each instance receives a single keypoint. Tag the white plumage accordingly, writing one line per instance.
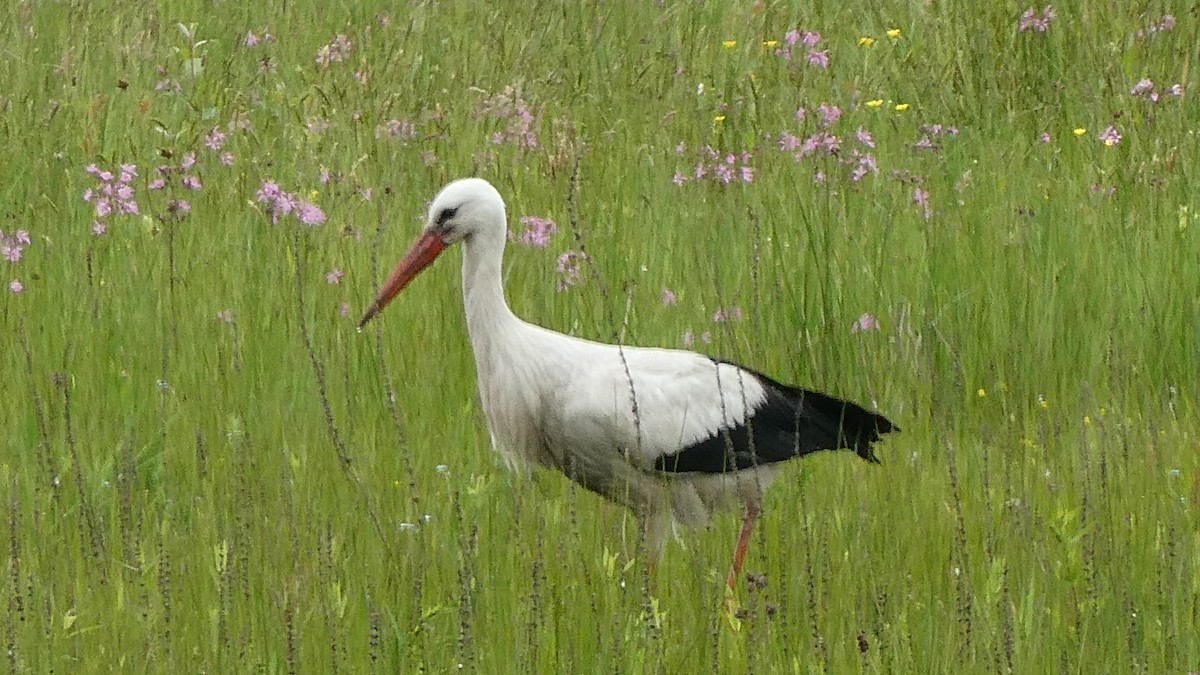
(667, 433)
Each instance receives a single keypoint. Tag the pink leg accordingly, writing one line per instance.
(739, 553)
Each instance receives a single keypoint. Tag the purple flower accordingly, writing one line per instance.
(180, 207)
(15, 286)
(681, 148)
(1032, 19)
(568, 267)
(508, 105)
(1145, 89)
(688, 338)
(788, 141)
(864, 323)
(334, 276)
(188, 161)
(791, 37)
(98, 228)
(280, 203)
(405, 130)
(921, 198)
(679, 178)
(810, 39)
(1043, 137)
(865, 164)
(285, 203)
(310, 214)
(537, 231)
(864, 137)
(1176, 89)
(11, 253)
(1166, 23)
(668, 297)
(1110, 136)
(819, 59)
(113, 194)
(338, 49)
(268, 192)
(723, 314)
(829, 114)
(215, 139)
(747, 174)
(22, 237)
(227, 158)
(190, 182)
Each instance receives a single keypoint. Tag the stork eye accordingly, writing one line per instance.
(445, 215)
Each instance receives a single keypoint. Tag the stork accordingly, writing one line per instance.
(670, 434)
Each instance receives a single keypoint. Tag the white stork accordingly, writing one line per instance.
(667, 433)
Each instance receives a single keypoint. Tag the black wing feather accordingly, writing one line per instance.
(790, 422)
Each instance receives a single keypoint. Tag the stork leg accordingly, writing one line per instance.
(739, 553)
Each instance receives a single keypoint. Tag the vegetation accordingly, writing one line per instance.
(979, 219)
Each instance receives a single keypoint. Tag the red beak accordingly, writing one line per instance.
(423, 251)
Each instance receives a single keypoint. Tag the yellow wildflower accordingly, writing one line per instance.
(866, 41)
(719, 118)
(901, 107)
(894, 33)
(1080, 131)
(1087, 420)
(729, 44)
(981, 393)
(875, 103)
(770, 43)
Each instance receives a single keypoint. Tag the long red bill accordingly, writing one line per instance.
(423, 251)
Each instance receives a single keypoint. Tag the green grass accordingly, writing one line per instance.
(182, 492)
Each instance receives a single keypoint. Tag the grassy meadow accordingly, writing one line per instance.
(982, 221)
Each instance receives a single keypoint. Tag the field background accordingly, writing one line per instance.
(205, 468)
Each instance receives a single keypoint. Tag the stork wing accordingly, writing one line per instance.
(694, 413)
(682, 399)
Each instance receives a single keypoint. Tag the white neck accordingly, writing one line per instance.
(489, 320)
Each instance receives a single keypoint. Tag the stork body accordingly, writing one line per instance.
(667, 433)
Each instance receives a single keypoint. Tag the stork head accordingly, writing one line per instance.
(463, 210)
